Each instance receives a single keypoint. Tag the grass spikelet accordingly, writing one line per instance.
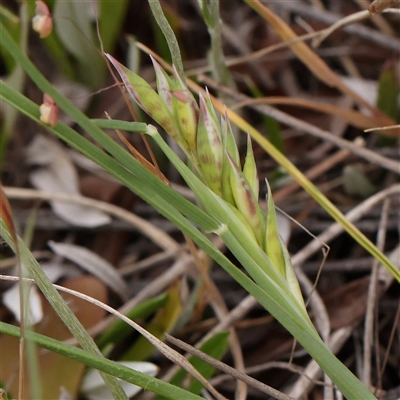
(147, 98)
(250, 169)
(209, 147)
(246, 202)
(273, 245)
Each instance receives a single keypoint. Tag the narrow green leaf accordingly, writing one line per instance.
(211, 15)
(121, 125)
(119, 329)
(13, 24)
(74, 26)
(388, 93)
(59, 305)
(271, 290)
(16, 78)
(111, 21)
(169, 35)
(106, 366)
(215, 347)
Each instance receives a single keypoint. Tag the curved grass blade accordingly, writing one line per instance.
(102, 364)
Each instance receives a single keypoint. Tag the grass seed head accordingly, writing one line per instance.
(230, 147)
(228, 139)
(186, 112)
(246, 202)
(164, 85)
(209, 146)
(250, 169)
(273, 245)
(148, 100)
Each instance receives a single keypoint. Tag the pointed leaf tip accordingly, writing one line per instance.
(250, 169)
(247, 204)
(147, 99)
(273, 244)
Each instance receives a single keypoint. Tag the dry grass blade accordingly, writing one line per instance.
(148, 165)
(361, 31)
(156, 171)
(339, 337)
(378, 6)
(372, 297)
(355, 118)
(158, 344)
(382, 128)
(313, 173)
(358, 16)
(6, 213)
(296, 123)
(94, 264)
(380, 22)
(318, 67)
(227, 369)
(162, 282)
(335, 229)
(155, 234)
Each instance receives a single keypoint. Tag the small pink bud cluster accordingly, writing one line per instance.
(49, 111)
(42, 22)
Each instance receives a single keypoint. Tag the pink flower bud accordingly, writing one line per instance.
(42, 22)
(49, 111)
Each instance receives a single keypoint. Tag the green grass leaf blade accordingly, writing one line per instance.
(102, 364)
(131, 172)
(214, 347)
(269, 292)
(58, 303)
(119, 329)
(388, 93)
(273, 296)
(313, 191)
(111, 19)
(73, 24)
(169, 35)
(120, 125)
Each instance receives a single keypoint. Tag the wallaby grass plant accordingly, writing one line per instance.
(227, 193)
